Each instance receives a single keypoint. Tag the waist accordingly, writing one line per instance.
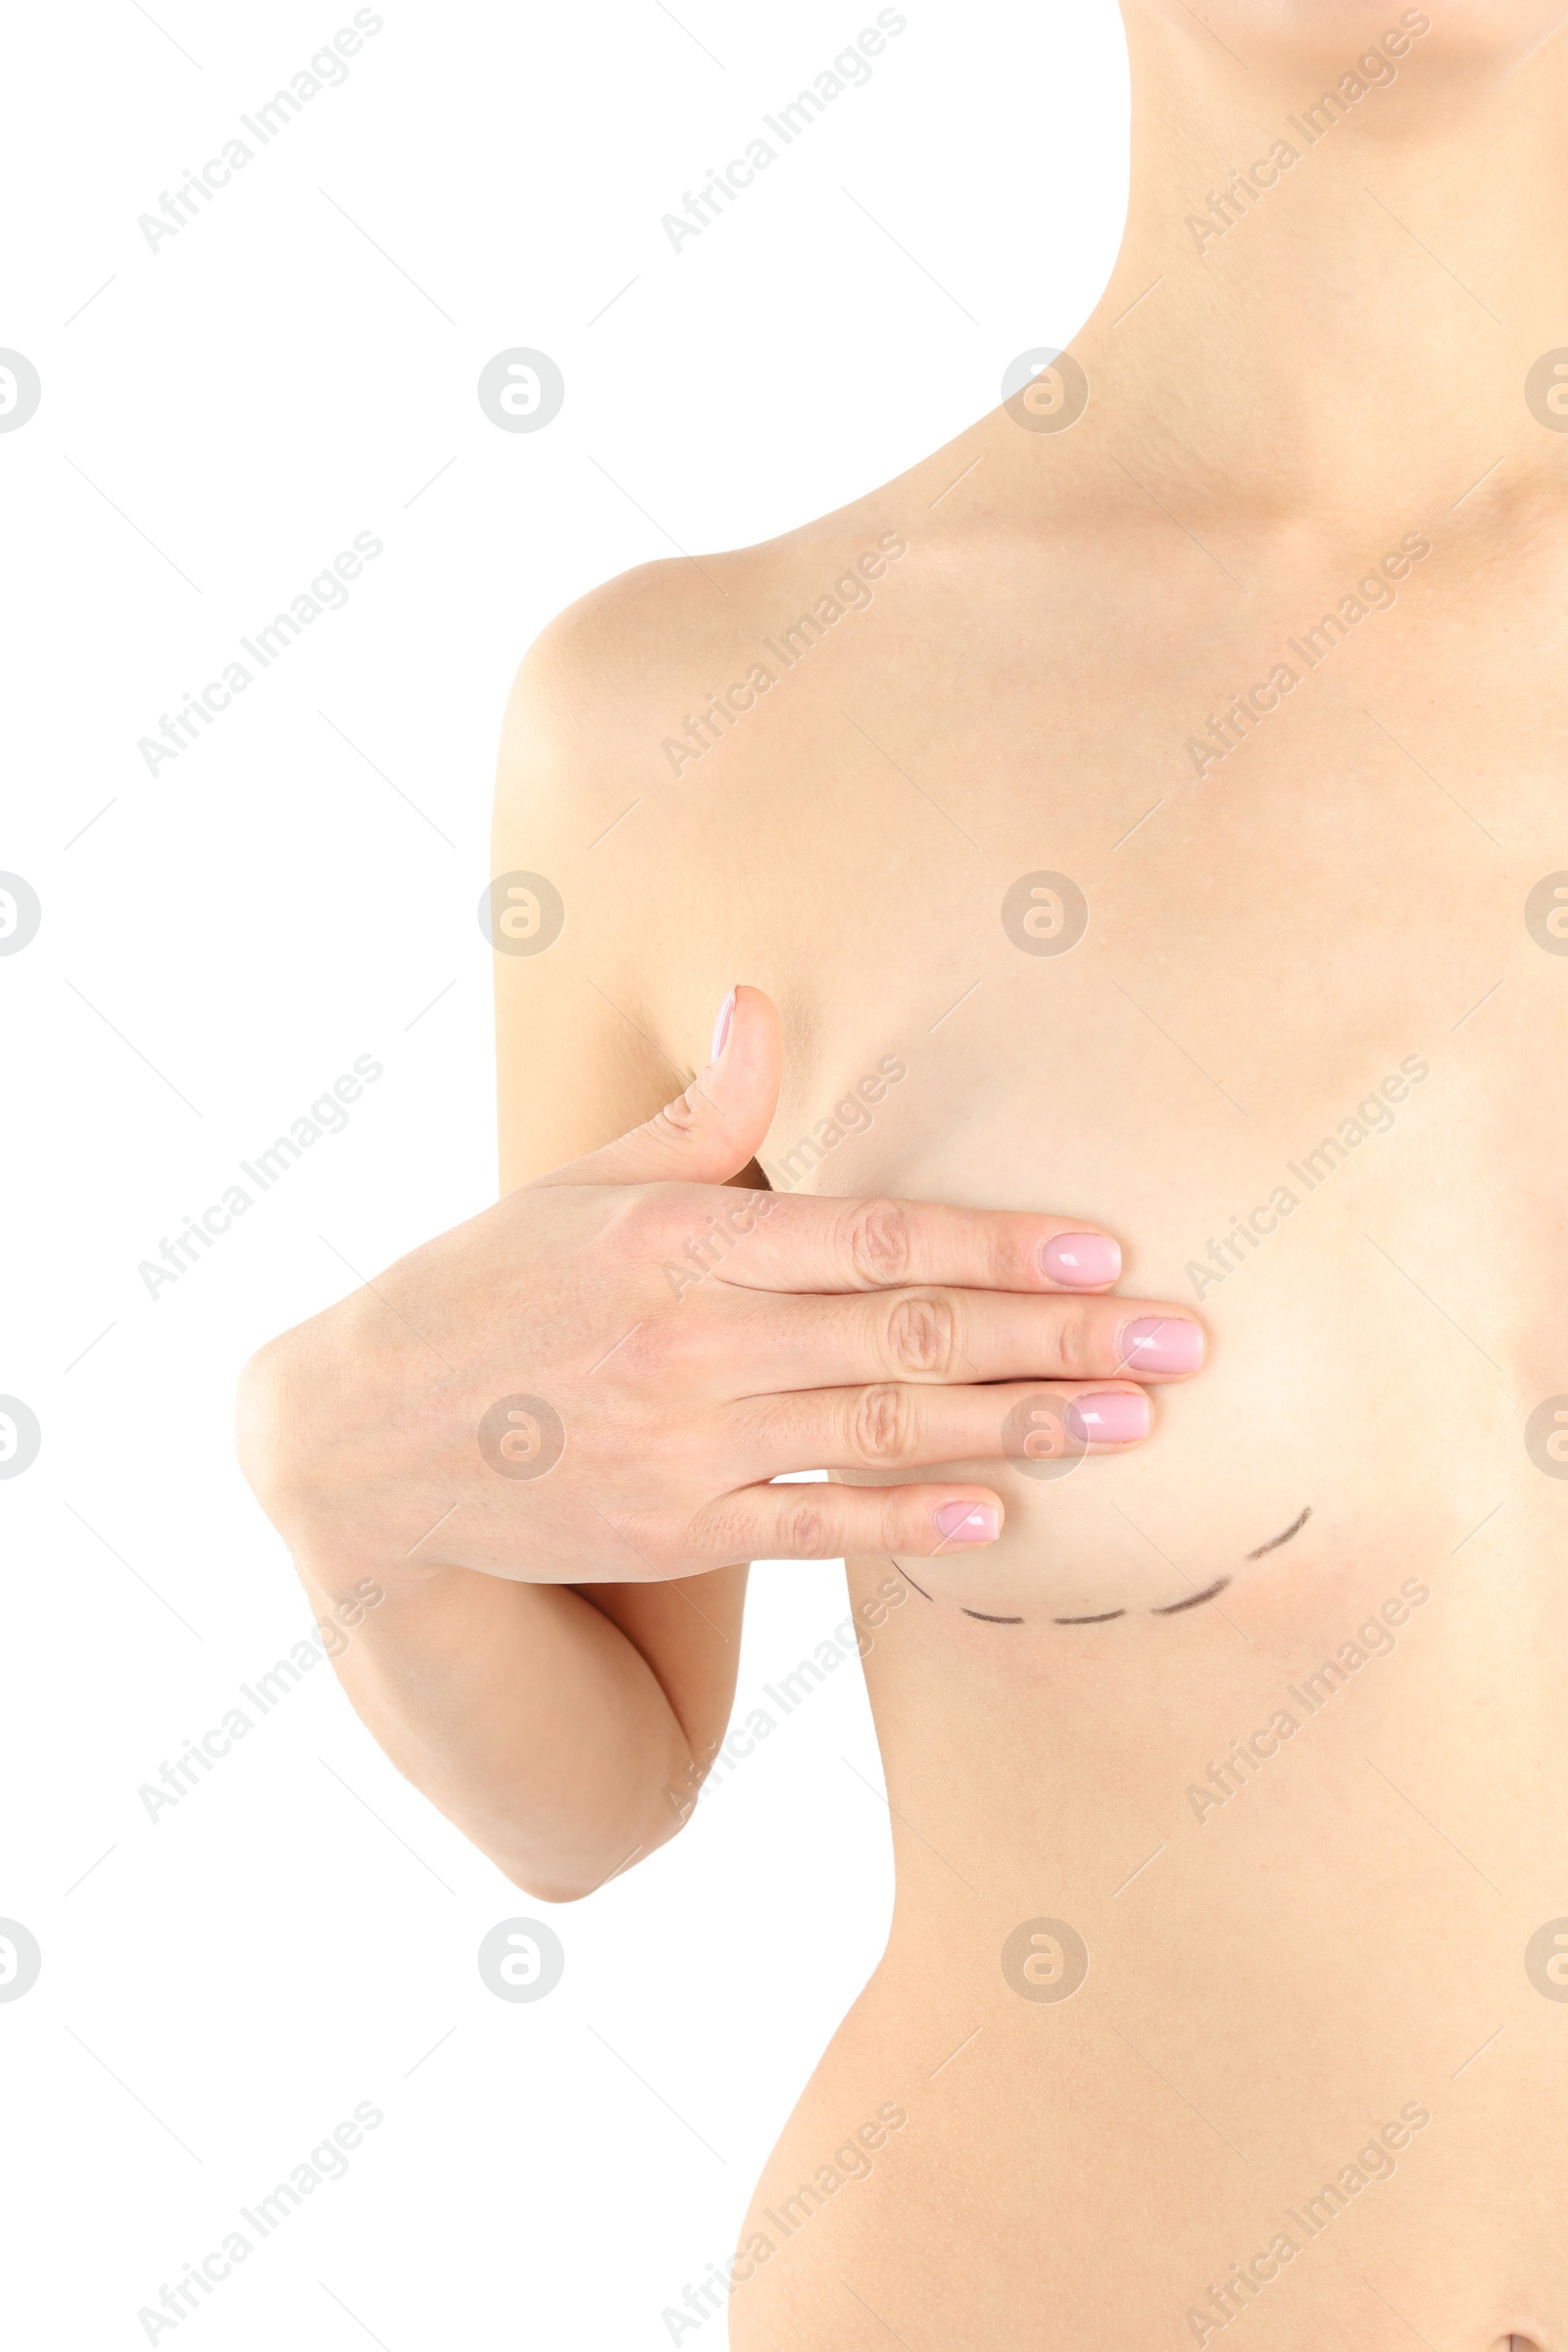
(1197, 1918)
(1129, 2165)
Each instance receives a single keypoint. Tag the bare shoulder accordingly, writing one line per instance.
(641, 681)
(638, 681)
(688, 747)
(627, 665)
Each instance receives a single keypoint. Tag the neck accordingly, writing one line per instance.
(1323, 312)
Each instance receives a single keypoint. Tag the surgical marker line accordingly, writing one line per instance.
(1275, 1542)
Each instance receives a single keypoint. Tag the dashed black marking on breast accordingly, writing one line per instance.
(1173, 1608)
(1275, 1542)
(909, 1579)
(1193, 1600)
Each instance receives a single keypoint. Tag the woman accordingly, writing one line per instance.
(1146, 818)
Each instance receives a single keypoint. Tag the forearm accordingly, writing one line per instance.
(527, 1717)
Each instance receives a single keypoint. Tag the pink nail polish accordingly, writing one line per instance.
(967, 1522)
(721, 1026)
(1114, 1417)
(1161, 1343)
(1080, 1260)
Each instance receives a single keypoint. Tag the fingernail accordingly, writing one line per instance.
(1161, 1343)
(967, 1522)
(1114, 1417)
(1082, 1260)
(726, 1013)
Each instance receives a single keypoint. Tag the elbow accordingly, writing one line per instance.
(553, 1877)
(551, 1885)
(570, 1878)
(261, 1426)
(276, 1427)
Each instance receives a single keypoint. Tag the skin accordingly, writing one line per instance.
(1284, 1954)
(565, 1727)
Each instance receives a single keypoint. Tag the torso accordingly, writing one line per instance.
(1313, 940)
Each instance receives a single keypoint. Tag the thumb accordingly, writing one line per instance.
(711, 1131)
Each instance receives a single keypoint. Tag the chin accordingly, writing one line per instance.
(1317, 37)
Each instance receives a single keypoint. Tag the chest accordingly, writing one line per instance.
(1328, 974)
(1292, 1028)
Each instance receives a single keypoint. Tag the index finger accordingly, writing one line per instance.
(795, 1241)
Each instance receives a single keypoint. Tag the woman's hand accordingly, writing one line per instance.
(595, 1380)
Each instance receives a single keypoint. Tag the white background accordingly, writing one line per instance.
(297, 364)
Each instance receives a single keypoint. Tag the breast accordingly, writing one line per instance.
(1380, 1325)
(1286, 1108)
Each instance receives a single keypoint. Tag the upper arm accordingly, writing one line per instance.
(579, 1053)
(577, 1060)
